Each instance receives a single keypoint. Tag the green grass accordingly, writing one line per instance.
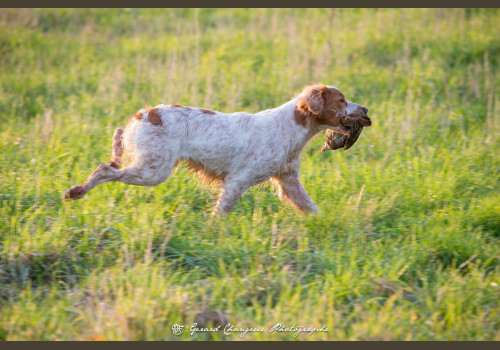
(414, 256)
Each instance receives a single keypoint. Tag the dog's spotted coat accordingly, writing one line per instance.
(237, 150)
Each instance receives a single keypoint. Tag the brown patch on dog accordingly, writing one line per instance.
(316, 100)
(176, 106)
(138, 115)
(312, 99)
(206, 111)
(300, 117)
(154, 116)
(333, 98)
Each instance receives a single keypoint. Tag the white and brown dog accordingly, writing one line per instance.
(237, 150)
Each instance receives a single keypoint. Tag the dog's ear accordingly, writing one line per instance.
(312, 99)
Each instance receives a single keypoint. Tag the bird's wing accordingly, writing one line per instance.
(356, 129)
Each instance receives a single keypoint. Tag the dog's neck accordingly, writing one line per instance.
(294, 133)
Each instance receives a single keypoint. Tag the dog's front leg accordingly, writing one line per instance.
(291, 190)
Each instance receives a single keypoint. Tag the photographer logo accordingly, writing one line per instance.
(177, 329)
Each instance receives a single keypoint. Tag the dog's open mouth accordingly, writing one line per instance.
(355, 123)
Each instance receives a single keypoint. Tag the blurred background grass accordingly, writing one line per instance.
(414, 256)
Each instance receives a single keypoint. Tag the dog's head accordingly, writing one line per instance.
(327, 108)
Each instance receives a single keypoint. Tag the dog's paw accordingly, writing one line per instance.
(75, 192)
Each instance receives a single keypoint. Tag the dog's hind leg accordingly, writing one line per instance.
(146, 170)
(150, 174)
(103, 173)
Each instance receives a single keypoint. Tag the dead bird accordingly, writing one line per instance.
(355, 123)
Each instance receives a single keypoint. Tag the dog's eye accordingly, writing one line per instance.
(342, 101)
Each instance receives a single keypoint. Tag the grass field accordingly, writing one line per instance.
(407, 246)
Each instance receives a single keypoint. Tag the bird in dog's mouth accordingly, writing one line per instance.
(355, 122)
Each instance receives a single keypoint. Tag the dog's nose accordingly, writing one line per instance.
(364, 109)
